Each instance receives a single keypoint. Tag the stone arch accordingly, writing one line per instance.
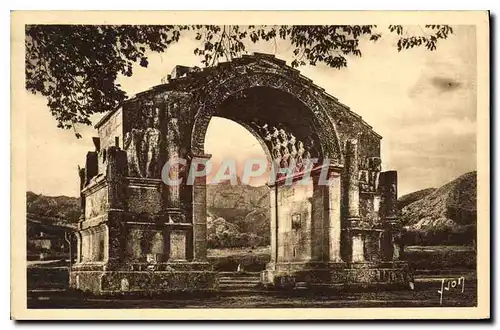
(303, 98)
(314, 227)
(238, 82)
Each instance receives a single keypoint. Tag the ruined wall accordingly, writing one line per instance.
(110, 131)
(351, 126)
(111, 128)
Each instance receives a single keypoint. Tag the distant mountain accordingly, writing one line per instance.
(65, 208)
(449, 210)
(242, 205)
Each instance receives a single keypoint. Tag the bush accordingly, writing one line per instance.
(250, 262)
(233, 240)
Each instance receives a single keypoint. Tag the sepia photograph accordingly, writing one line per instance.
(281, 165)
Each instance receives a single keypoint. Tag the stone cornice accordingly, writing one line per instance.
(143, 182)
(314, 172)
(94, 186)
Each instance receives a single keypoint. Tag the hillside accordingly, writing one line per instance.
(449, 210)
(67, 209)
(414, 196)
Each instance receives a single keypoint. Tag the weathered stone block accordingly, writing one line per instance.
(177, 245)
(144, 198)
(389, 195)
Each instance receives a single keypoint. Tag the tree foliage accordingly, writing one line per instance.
(76, 66)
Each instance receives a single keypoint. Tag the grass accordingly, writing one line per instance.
(437, 248)
(439, 257)
(422, 296)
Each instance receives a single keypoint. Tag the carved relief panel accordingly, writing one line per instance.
(142, 142)
(369, 173)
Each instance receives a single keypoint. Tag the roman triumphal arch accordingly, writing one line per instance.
(138, 234)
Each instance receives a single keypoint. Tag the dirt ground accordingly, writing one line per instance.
(425, 295)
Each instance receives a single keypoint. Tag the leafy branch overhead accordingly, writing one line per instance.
(76, 66)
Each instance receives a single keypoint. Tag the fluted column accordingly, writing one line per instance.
(395, 248)
(81, 174)
(114, 235)
(318, 222)
(274, 224)
(333, 214)
(389, 212)
(356, 240)
(200, 215)
(78, 247)
(172, 191)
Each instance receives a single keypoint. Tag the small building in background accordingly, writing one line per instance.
(47, 238)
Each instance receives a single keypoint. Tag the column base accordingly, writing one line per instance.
(337, 260)
(143, 278)
(341, 276)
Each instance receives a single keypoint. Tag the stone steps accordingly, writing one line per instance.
(239, 279)
(237, 286)
(239, 282)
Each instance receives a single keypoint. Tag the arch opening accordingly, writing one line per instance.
(287, 131)
(228, 142)
(237, 203)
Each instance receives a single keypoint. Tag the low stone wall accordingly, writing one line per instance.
(147, 282)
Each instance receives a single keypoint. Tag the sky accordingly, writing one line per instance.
(422, 103)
